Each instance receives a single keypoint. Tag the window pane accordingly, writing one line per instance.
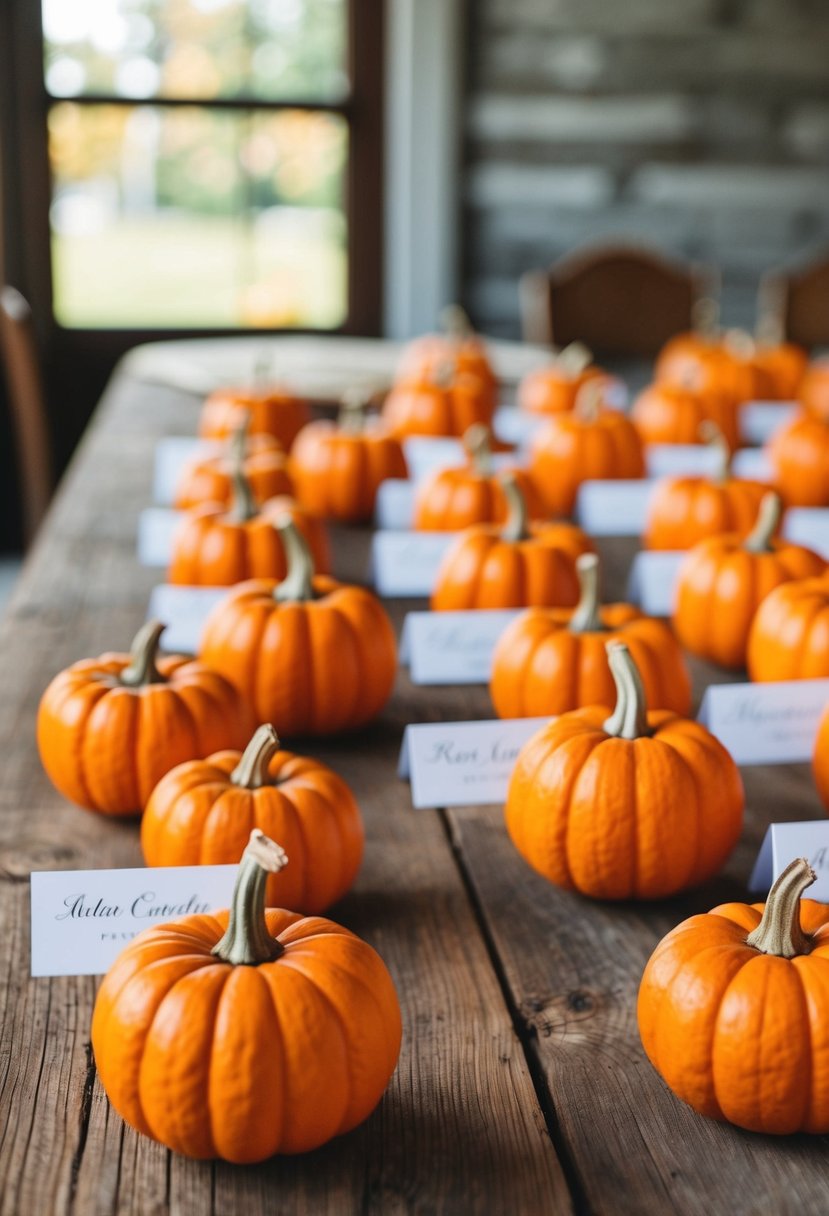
(190, 217)
(200, 49)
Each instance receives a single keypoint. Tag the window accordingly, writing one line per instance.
(215, 164)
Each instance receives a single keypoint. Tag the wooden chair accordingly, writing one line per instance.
(617, 299)
(28, 408)
(794, 304)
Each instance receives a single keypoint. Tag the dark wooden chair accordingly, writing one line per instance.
(616, 299)
(18, 354)
(794, 304)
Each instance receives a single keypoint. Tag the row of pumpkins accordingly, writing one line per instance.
(258, 1030)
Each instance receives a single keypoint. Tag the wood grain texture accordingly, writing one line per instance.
(461, 1128)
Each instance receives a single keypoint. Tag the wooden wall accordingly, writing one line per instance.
(699, 125)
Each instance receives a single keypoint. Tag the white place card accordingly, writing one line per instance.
(752, 464)
(184, 611)
(651, 580)
(394, 505)
(808, 526)
(463, 763)
(760, 419)
(773, 723)
(406, 563)
(512, 425)
(785, 842)
(83, 919)
(452, 647)
(613, 508)
(425, 455)
(156, 528)
(681, 460)
(171, 456)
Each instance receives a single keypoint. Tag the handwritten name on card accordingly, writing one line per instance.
(394, 505)
(652, 579)
(406, 563)
(808, 526)
(760, 419)
(463, 763)
(452, 647)
(184, 611)
(614, 508)
(82, 919)
(766, 723)
(171, 456)
(156, 528)
(784, 842)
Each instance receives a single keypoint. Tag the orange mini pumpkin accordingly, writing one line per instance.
(588, 443)
(108, 729)
(262, 461)
(271, 411)
(248, 1032)
(214, 546)
(458, 345)
(309, 654)
(550, 660)
(685, 510)
(670, 413)
(722, 582)
(338, 468)
(446, 403)
(727, 364)
(813, 390)
(789, 637)
(554, 388)
(203, 812)
(820, 758)
(799, 454)
(511, 567)
(628, 804)
(451, 499)
(733, 1009)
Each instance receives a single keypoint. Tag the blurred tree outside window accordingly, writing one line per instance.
(199, 153)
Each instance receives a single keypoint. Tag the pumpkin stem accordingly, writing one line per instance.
(262, 373)
(574, 358)
(246, 941)
(740, 343)
(243, 506)
(629, 719)
(713, 437)
(768, 518)
(779, 931)
(586, 617)
(251, 773)
(588, 400)
(771, 302)
(298, 584)
(705, 316)
(455, 322)
(476, 443)
(141, 668)
(516, 528)
(444, 373)
(351, 418)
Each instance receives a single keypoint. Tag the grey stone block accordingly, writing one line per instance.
(501, 183)
(625, 119)
(725, 185)
(624, 18)
(806, 131)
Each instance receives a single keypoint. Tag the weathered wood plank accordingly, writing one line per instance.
(461, 1128)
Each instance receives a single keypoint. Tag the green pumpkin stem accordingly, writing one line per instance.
(586, 616)
(298, 584)
(243, 506)
(247, 942)
(455, 322)
(629, 719)
(589, 400)
(573, 359)
(516, 527)
(351, 417)
(712, 437)
(141, 668)
(759, 539)
(705, 316)
(771, 307)
(779, 931)
(251, 773)
(477, 446)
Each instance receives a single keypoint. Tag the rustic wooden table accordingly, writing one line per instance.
(521, 1088)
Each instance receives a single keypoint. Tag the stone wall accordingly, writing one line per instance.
(700, 126)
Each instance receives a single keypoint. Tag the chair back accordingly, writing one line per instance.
(18, 353)
(616, 299)
(798, 300)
